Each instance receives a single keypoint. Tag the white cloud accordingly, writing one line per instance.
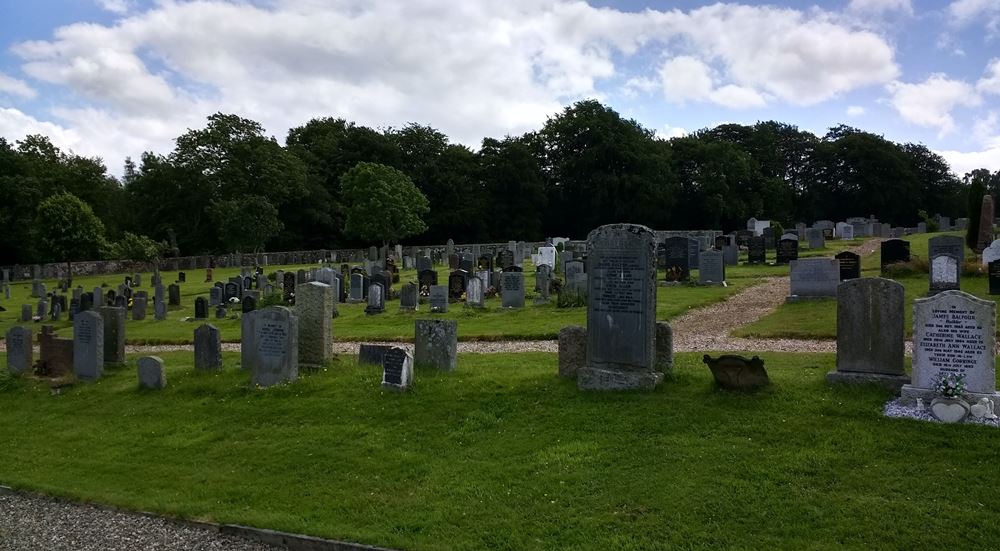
(963, 162)
(930, 103)
(686, 78)
(990, 83)
(965, 12)
(667, 132)
(15, 125)
(14, 87)
(879, 7)
(855, 111)
(120, 7)
(471, 69)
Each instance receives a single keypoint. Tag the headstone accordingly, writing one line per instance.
(181, 277)
(221, 312)
(20, 350)
(424, 263)
(572, 350)
(991, 253)
(621, 311)
(288, 287)
(675, 259)
(894, 251)
(731, 255)
(512, 295)
(88, 345)
(457, 281)
(543, 282)
(26, 312)
(151, 373)
(207, 348)
(756, 251)
(547, 256)
(814, 277)
(201, 308)
(993, 272)
(953, 333)
(397, 369)
(664, 347)
(357, 284)
(694, 253)
(736, 372)
(372, 353)
(408, 294)
(787, 250)
(986, 217)
(248, 304)
(475, 293)
(376, 299)
(712, 269)
(850, 265)
(950, 245)
(174, 295)
(314, 308)
(436, 344)
(816, 239)
(275, 358)
(427, 279)
(160, 311)
(870, 335)
(114, 334)
(438, 298)
(139, 308)
(945, 274)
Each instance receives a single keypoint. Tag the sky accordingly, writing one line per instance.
(115, 78)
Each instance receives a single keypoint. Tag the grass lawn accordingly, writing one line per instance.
(818, 319)
(493, 323)
(504, 455)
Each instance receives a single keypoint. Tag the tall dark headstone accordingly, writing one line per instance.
(756, 251)
(850, 265)
(675, 259)
(786, 251)
(994, 276)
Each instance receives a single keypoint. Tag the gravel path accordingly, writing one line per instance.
(37, 523)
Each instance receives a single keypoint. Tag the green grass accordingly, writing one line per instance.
(504, 455)
(817, 319)
(493, 323)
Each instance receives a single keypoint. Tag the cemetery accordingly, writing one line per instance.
(255, 399)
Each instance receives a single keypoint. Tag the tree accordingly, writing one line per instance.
(132, 246)
(382, 204)
(246, 224)
(976, 182)
(66, 229)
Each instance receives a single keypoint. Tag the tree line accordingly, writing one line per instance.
(229, 187)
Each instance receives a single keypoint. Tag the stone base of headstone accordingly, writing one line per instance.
(908, 396)
(801, 298)
(591, 378)
(889, 382)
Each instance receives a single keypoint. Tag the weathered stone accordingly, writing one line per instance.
(986, 217)
(621, 310)
(114, 334)
(711, 268)
(372, 353)
(20, 350)
(408, 297)
(944, 274)
(665, 346)
(207, 348)
(151, 373)
(512, 284)
(276, 354)
(397, 369)
(870, 333)
(814, 278)
(572, 350)
(248, 347)
(314, 307)
(88, 345)
(436, 344)
(438, 298)
(736, 372)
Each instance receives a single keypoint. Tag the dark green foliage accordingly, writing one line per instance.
(976, 182)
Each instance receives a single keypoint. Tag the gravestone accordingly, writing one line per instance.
(769, 237)
(870, 333)
(436, 344)
(814, 278)
(151, 373)
(424, 263)
(731, 255)
(231, 290)
(712, 269)
(275, 358)
(174, 295)
(675, 259)
(201, 308)
(314, 308)
(372, 353)
(512, 284)
(221, 312)
(114, 334)
(397, 369)
(248, 348)
(453, 261)
(215, 296)
(944, 274)
(139, 308)
(950, 245)
(993, 272)
(207, 348)
(457, 282)
(572, 350)
(475, 293)
(88, 345)
(26, 312)
(543, 283)
(756, 251)
(20, 350)
(850, 265)
(786, 251)
(248, 304)
(408, 297)
(357, 286)
(547, 256)
(694, 253)
(438, 298)
(505, 259)
(736, 372)
(376, 299)
(621, 310)
(953, 333)
(427, 279)
(894, 251)
(986, 219)
(816, 239)
(288, 287)
(991, 253)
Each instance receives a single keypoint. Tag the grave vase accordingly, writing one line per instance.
(949, 410)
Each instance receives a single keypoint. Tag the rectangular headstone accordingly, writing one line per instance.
(436, 344)
(114, 334)
(850, 265)
(207, 348)
(20, 350)
(814, 277)
(438, 298)
(276, 355)
(372, 353)
(712, 269)
(870, 332)
(88, 345)
(314, 307)
(397, 369)
(512, 284)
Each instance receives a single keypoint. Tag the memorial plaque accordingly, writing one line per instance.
(850, 265)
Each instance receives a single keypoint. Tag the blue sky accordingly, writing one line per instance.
(114, 78)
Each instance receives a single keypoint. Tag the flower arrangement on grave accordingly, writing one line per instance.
(949, 385)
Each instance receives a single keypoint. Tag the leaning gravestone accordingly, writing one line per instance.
(894, 251)
(88, 345)
(814, 278)
(207, 348)
(512, 284)
(397, 369)
(20, 351)
(314, 308)
(711, 269)
(151, 373)
(953, 333)
(850, 265)
(276, 349)
(114, 334)
(436, 344)
(944, 274)
(870, 335)
(621, 310)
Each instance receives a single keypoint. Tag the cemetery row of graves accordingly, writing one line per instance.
(430, 449)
